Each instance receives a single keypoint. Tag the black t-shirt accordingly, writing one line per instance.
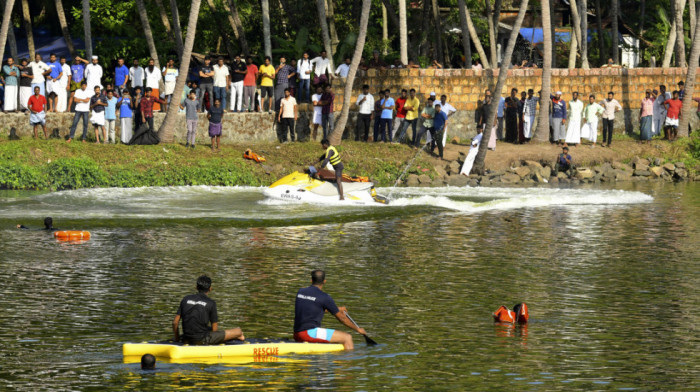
(209, 79)
(216, 114)
(237, 77)
(310, 305)
(197, 311)
(26, 81)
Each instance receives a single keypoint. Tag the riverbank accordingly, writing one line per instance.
(56, 165)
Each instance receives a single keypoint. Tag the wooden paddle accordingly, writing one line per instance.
(369, 340)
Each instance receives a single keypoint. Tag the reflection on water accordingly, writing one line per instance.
(610, 278)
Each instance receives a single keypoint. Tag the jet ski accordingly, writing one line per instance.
(303, 188)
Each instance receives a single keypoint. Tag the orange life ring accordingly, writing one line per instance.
(71, 235)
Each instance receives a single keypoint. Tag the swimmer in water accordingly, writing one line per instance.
(48, 225)
(148, 362)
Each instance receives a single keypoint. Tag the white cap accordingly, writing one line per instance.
(558, 93)
(94, 57)
(432, 94)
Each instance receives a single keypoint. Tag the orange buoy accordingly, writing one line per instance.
(519, 314)
(71, 235)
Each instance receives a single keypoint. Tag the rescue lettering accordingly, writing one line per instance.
(263, 351)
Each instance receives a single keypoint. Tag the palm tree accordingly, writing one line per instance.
(28, 27)
(438, 31)
(10, 34)
(266, 27)
(64, 27)
(687, 111)
(330, 17)
(167, 128)
(615, 32)
(176, 26)
(575, 34)
(403, 32)
(147, 32)
(584, 34)
(337, 134)
(502, 75)
(229, 46)
(693, 20)
(680, 35)
(321, 6)
(466, 41)
(238, 31)
(464, 10)
(599, 23)
(6, 20)
(86, 27)
(165, 20)
(493, 16)
(671, 42)
(542, 133)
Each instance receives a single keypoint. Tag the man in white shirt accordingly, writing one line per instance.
(82, 108)
(63, 86)
(222, 79)
(287, 115)
(322, 66)
(39, 71)
(153, 78)
(343, 69)
(304, 68)
(449, 111)
(659, 110)
(93, 73)
(136, 75)
(365, 106)
(170, 74)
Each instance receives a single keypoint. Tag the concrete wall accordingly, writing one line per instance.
(462, 87)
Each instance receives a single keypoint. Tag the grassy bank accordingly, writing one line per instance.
(56, 165)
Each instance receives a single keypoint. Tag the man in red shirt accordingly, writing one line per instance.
(147, 103)
(673, 112)
(400, 113)
(37, 115)
(249, 85)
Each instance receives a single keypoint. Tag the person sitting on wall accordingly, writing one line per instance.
(564, 164)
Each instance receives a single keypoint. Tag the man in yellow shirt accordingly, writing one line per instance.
(267, 78)
(411, 106)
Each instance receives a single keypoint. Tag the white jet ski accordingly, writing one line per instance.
(302, 188)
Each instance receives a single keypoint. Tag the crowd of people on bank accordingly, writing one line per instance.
(126, 97)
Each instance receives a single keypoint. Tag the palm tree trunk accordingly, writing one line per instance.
(641, 27)
(496, 20)
(473, 34)
(143, 15)
(575, 33)
(670, 44)
(330, 17)
(583, 16)
(425, 18)
(693, 18)
(167, 128)
(615, 6)
(227, 42)
(87, 28)
(64, 27)
(321, 5)
(267, 44)
(239, 32)
(502, 75)
(11, 39)
(393, 15)
(176, 27)
(688, 103)
(601, 41)
(553, 32)
(6, 21)
(542, 133)
(438, 31)
(28, 27)
(466, 33)
(337, 134)
(385, 28)
(165, 20)
(680, 35)
(403, 32)
(492, 33)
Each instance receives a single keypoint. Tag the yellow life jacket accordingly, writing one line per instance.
(335, 158)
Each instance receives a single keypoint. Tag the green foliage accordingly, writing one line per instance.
(19, 176)
(73, 173)
(694, 145)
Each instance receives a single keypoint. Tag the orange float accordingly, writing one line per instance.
(249, 154)
(519, 314)
(71, 235)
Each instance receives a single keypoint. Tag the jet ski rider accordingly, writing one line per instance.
(333, 157)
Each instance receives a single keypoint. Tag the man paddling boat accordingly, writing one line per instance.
(196, 312)
(311, 304)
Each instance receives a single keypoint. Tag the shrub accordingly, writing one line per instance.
(74, 173)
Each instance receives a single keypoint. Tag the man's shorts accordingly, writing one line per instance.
(214, 337)
(339, 171)
(267, 91)
(74, 86)
(316, 335)
(671, 122)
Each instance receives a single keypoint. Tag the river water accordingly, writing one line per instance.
(611, 279)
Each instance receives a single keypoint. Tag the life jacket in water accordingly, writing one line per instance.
(248, 154)
(519, 314)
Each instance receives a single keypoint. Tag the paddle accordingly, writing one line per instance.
(369, 340)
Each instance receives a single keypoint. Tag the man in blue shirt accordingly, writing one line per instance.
(52, 84)
(311, 303)
(11, 74)
(386, 118)
(121, 77)
(438, 128)
(77, 74)
(564, 164)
